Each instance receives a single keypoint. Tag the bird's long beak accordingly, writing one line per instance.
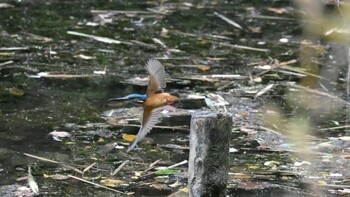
(175, 94)
(119, 99)
(174, 97)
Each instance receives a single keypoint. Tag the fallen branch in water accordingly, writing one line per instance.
(229, 21)
(97, 185)
(56, 162)
(334, 128)
(320, 93)
(98, 38)
(244, 47)
(119, 167)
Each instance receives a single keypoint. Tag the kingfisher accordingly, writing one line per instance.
(151, 102)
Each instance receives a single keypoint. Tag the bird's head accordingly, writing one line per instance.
(172, 98)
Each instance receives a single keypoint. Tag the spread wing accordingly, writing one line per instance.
(150, 118)
(157, 76)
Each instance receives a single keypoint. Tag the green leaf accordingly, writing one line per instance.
(168, 171)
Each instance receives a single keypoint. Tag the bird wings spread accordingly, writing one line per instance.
(157, 76)
(150, 118)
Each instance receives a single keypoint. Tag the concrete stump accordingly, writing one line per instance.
(209, 151)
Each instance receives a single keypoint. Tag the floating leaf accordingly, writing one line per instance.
(128, 137)
(273, 75)
(159, 186)
(271, 163)
(16, 91)
(320, 182)
(162, 179)
(6, 53)
(203, 67)
(113, 182)
(184, 189)
(176, 184)
(253, 166)
(85, 57)
(168, 171)
(242, 176)
(61, 134)
(32, 183)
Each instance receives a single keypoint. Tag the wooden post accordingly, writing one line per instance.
(209, 151)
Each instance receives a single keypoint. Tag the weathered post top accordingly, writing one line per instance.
(209, 151)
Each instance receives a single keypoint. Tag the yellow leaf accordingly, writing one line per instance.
(130, 193)
(129, 138)
(203, 67)
(158, 186)
(16, 91)
(176, 184)
(100, 140)
(112, 182)
(70, 143)
(6, 53)
(109, 184)
(242, 176)
(254, 167)
(93, 158)
(321, 182)
(184, 189)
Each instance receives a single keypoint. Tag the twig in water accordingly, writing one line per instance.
(119, 12)
(245, 47)
(95, 184)
(170, 167)
(271, 17)
(320, 93)
(14, 48)
(143, 44)
(119, 167)
(270, 130)
(52, 161)
(229, 21)
(6, 63)
(334, 128)
(98, 38)
(151, 166)
(89, 167)
(263, 91)
(300, 71)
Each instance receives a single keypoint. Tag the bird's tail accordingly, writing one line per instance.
(132, 146)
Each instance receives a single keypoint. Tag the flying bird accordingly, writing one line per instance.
(152, 101)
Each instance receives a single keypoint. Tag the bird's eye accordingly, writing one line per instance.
(169, 100)
(159, 91)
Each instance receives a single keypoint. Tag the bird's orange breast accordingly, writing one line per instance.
(159, 100)
(156, 100)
